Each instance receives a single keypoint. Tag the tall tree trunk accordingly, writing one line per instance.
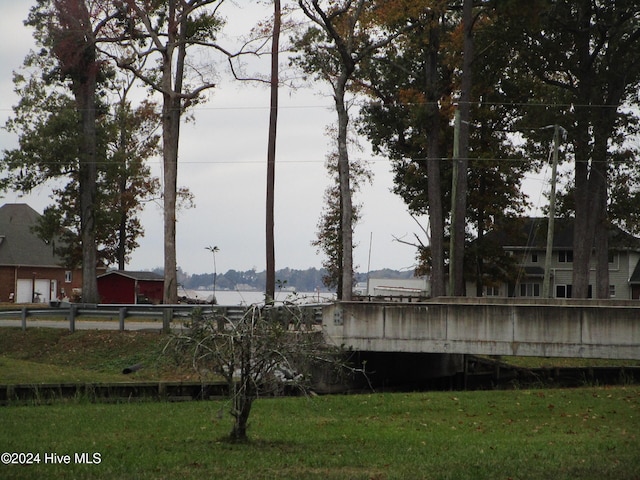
(460, 202)
(591, 224)
(584, 223)
(172, 79)
(122, 227)
(602, 128)
(338, 260)
(271, 156)
(170, 133)
(122, 184)
(88, 174)
(602, 248)
(74, 45)
(436, 220)
(590, 220)
(479, 244)
(344, 178)
(84, 70)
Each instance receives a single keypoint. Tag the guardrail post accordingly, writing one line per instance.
(24, 318)
(72, 318)
(122, 316)
(166, 320)
(221, 318)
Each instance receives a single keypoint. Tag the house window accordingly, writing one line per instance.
(565, 256)
(529, 289)
(492, 291)
(612, 291)
(612, 257)
(68, 276)
(563, 291)
(534, 258)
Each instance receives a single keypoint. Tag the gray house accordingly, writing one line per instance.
(524, 240)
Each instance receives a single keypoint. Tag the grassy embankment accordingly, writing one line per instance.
(48, 355)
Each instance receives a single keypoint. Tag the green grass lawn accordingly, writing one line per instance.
(587, 433)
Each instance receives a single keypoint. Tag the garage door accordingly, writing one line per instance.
(25, 291)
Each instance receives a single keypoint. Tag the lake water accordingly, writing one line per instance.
(235, 297)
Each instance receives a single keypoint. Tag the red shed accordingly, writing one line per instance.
(120, 286)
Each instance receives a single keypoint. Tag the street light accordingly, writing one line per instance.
(213, 250)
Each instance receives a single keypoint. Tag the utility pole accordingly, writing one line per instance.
(454, 196)
(213, 250)
(369, 262)
(546, 283)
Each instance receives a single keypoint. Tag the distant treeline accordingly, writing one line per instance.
(309, 280)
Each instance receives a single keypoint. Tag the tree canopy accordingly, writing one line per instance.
(552, 65)
(47, 123)
(509, 71)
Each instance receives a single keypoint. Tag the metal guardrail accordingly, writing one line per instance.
(167, 313)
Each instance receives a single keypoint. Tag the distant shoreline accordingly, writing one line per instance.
(238, 297)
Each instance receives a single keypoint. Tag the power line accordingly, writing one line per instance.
(201, 107)
(302, 162)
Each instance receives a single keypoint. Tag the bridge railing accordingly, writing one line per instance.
(179, 313)
(578, 328)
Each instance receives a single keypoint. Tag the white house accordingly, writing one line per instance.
(524, 239)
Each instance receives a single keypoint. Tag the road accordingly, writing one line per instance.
(92, 324)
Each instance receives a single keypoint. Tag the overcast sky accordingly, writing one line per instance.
(222, 161)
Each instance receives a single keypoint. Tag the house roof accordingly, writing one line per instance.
(19, 246)
(635, 276)
(139, 275)
(531, 232)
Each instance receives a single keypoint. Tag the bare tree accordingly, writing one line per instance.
(268, 349)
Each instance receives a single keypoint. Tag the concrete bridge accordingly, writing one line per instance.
(485, 326)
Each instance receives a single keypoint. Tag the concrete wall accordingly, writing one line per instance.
(507, 327)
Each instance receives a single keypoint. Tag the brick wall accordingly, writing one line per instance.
(9, 276)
